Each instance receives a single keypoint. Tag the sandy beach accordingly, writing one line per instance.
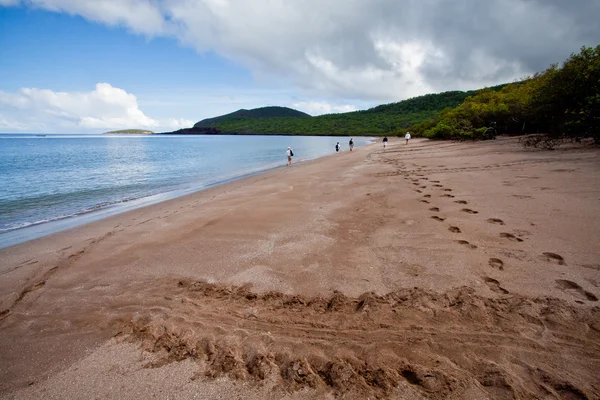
(437, 270)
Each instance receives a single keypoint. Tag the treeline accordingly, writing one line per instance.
(561, 102)
(385, 119)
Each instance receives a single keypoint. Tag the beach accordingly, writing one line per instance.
(442, 270)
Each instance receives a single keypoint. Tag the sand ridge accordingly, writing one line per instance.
(440, 343)
(434, 270)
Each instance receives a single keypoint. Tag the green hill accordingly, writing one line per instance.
(262, 112)
(381, 120)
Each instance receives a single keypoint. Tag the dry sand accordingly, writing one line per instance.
(427, 271)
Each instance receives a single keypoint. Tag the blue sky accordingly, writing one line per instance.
(65, 53)
(89, 66)
(62, 52)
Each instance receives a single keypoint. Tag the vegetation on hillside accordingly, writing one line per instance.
(130, 131)
(561, 102)
(381, 120)
(262, 112)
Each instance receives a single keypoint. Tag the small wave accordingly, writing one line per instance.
(28, 224)
(83, 211)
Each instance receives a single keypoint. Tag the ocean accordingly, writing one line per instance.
(55, 182)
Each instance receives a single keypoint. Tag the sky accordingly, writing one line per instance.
(88, 66)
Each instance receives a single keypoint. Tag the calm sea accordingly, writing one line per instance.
(59, 181)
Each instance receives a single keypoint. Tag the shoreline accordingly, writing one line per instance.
(38, 230)
(446, 269)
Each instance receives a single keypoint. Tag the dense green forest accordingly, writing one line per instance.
(561, 102)
(385, 119)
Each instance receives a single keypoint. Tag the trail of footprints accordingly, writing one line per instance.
(495, 263)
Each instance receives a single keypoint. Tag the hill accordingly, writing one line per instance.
(262, 112)
(380, 120)
(130, 132)
(562, 103)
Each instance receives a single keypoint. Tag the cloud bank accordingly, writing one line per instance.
(381, 50)
(104, 108)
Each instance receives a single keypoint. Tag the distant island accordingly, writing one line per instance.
(130, 132)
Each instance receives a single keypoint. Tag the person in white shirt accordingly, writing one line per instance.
(290, 154)
(407, 137)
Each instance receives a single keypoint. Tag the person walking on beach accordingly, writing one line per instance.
(290, 154)
(351, 144)
(407, 137)
(385, 140)
(337, 147)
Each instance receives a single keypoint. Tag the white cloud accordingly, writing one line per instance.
(104, 108)
(9, 124)
(322, 107)
(382, 50)
(177, 123)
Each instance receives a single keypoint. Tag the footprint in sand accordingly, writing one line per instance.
(495, 221)
(38, 285)
(466, 244)
(469, 211)
(510, 236)
(447, 190)
(427, 196)
(576, 290)
(31, 261)
(494, 285)
(461, 202)
(422, 187)
(435, 181)
(496, 263)
(438, 186)
(447, 195)
(424, 201)
(454, 229)
(554, 258)
(441, 219)
(419, 191)
(436, 209)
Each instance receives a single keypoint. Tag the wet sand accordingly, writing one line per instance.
(434, 270)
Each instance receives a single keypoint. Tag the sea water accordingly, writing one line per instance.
(54, 182)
